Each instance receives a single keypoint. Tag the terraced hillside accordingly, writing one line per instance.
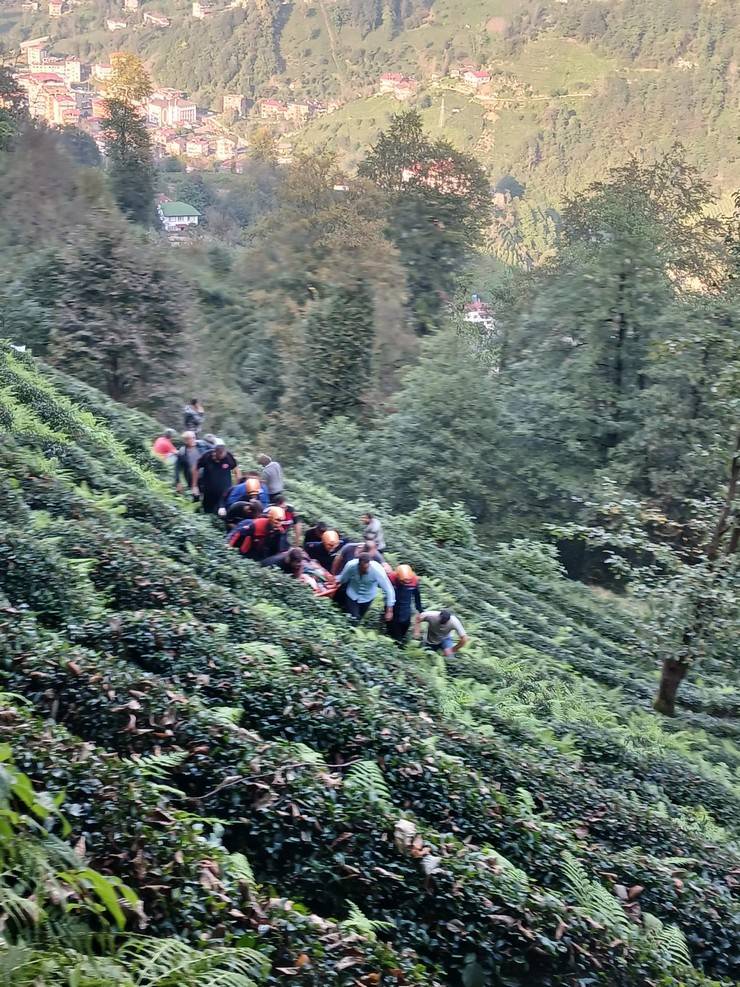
(517, 816)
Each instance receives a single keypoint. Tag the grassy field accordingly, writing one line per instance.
(551, 63)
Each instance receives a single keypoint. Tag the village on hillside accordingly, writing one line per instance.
(64, 90)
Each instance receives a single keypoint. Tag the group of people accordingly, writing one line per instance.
(261, 525)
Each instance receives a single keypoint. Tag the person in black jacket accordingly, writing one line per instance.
(406, 583)
(215, 468)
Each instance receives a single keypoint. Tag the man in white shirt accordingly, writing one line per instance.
(272, 476)
(362, 578)
(440, 626)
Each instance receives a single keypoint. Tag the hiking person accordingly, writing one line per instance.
(215, 468)
(164, 448)
(325, 550)
(186, 463)
(361, 579)
(193, 416)
(239, 511)
(440, 626)
(247, 488)
(372, 528)
(258, 538)
(314, 533)
(406, 583)
(272, 476)
(352, 550)
(293, 523)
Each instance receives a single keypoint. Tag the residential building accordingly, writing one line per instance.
(478, 313)
(175, 146)
(177, 216)
(476, 77)
(298, 113)
(32, 5)
(102, 71)
(156, 20)
(182, 111)
(197, 147)
(70, 69)
(115, 24)
(34, 50)
(156, 111)
(62, 108)
(401, 86)
(235, 102)
(201, 9)
(272, 109)
(98, 107)
(56, 8)
(130, 4)
(225, 148)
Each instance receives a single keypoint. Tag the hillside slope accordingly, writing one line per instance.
(574, 88)
(517, 816)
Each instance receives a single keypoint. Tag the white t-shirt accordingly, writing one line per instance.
(437, 632)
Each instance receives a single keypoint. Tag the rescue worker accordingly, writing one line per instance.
(352, 550)
(259, 538)
(248, 487)
(440, 627)
(272, 476)
(372, 528)
(326, 549)
(361, 579)
(213, 477)
(293, 523)
(406, 583)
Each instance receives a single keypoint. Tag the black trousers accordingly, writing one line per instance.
(398, 629)
(355, 609)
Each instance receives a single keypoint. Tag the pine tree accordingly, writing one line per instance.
(439, 207)
(130, 166)
(128, 145)
(338, 347)
(120, 316)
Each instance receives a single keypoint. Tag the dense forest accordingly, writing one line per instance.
(210, 777)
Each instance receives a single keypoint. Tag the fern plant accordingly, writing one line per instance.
(365, 781)
(358, 922)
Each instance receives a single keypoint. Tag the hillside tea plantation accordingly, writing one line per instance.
(262, 795)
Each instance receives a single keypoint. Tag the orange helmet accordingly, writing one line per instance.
(253, 485)
(405, 573)
(276, 514)
(330, 540)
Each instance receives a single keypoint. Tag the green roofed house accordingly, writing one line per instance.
(177, 216)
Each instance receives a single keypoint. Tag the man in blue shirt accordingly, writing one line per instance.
(362, 578)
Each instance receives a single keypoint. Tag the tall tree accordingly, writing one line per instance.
(338, 352)
(127, 143)
(439, 207)
(13, 106)
(120, 316)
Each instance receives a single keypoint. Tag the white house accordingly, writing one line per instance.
(176, 216)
